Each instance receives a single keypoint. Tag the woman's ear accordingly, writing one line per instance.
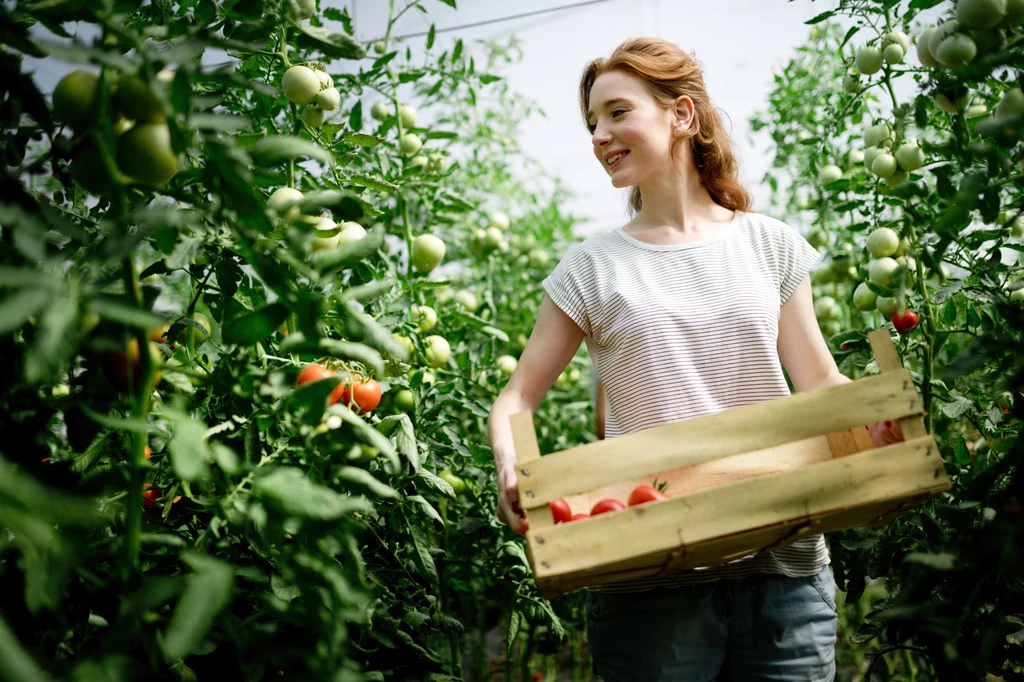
(683, 114)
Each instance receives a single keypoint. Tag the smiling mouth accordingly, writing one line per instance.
(617, 159)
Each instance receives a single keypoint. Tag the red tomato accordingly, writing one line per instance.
(149, 453)
(906, 322)
(560, 511)
(537, 676)
(581, 515)
(313, 372)
(149, 495)
(365, 395)
(606, 506)
(645, 493)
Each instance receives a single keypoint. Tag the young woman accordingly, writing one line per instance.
(697, 300)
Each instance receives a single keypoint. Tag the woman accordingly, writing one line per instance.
(697, 300)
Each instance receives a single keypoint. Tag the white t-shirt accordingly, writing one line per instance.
(684, 330)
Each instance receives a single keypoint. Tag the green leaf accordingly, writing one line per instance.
(366, 433)
(16, 309)
(362, 478)
(363, 139)
(15, 662)
(23, 277)
(275, 149)
(436, 482)
(367, 292)
(330, 259)
(353, 351)
(422, 556)
(359, 325)
(51, 351)
(428, 508)
(124, 313)
(289, 490)
(250, 329)
(373, 182)
(187, 446)
(400, 427)
(131, 425)
(207, 592)
(430, 36)
(923, 4)
(955, 408)
(355, 117)
(43, 502)
(450, 3)
(514, 620)
(327, 42)
(942, 561)
(820, 18)
(220, 122)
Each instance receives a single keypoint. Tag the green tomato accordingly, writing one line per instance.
(884, 165)
(407, 115)
(281, 198)
(825, 308)
(89, 170)
(404, 341)
(956, 50)
(302, 9)
(980, 13)
(379, 111)
(897, 178)
(870, 154)
(300, 84)
(467, 299)
(506, 364)
(876, 134)
(314, 116)
(868, 60)
(864, 298)
(1017, 296)
(887, 306)
(74, 99)
(457, 484)
(896, 38)
(829, 174)
(854, 157)
(329, 99)
(380, 47)
(882, 271)
(405, 401)
(538, 258)
(1012, 104)
(924, 54)
(425, 317)
(419, 161)
(883, 242)
(909, 156)
(145, 154)
(851, 83)
(493, 238)
(520, 342)
(427, 252)
(409, 144)
(893, 54)
(351, 232)
(499, 220)
(942, 31)
(438, 351)
(199, 335)
(137, 100)
(1014, 13)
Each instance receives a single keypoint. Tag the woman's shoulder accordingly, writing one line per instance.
(765, 223)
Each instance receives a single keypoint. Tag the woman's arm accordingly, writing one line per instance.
(808, 360)
(553, 343)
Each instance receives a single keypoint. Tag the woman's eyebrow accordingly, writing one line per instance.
(608, 104)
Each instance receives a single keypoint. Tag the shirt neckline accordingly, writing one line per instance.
(679, 247)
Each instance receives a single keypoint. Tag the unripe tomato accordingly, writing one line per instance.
(829, 174)
(380, 47)
(605, 506)
(538, 258)
(1017, 295)
(1012, 104)
(924, 54)
(493, 238)
(897, 178)
(281, 197)
(379, 111)
(424, 316)
(405, 341)
(409, 144)
(864, 298)
(883, 242)
(405, 401)
(941, 32)
(886, 305)
(314, 116)
(427, 252)
(329, 99)
(199, 336)
(825, 308)
(956, 50)
(137, 101)
(300, 84)
(302, 9)
(419, 161)
(506, 364)
(467, 300)
(74, 99)
(560, 511)
(909, 156)
(980, 13)
(351, 232)
(876, 134)
(326, 82)
(896, 38)
(868, 60)
(884, 165)
(882, 271)
(499, 220)
(457, 484)
(438, 351)
(893, 54)
(159, 334)
(145, 154)
(407, 115)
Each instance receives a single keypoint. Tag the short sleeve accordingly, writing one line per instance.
(564, 287)
(794, 258)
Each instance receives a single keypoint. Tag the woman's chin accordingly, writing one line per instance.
(620, 181)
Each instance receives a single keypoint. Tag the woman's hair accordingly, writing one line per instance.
(668, 73)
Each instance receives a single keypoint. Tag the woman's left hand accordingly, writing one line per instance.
(885, 433)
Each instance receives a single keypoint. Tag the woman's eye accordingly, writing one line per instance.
(618, 112)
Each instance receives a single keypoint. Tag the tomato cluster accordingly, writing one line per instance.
(562, 513)
(363, 395)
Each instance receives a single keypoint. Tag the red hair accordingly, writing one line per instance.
(668, 73)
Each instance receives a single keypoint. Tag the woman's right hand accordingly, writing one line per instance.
(509, 511)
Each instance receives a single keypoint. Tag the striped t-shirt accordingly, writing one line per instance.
(696, 325)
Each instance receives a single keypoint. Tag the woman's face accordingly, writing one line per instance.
(631, 133)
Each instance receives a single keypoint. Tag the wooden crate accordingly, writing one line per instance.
(745, 480)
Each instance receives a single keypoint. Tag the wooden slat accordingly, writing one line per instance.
(722, 550)
(524, 440)
(738, 430)
(900, 469)
(841, 443)
(889, 361)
